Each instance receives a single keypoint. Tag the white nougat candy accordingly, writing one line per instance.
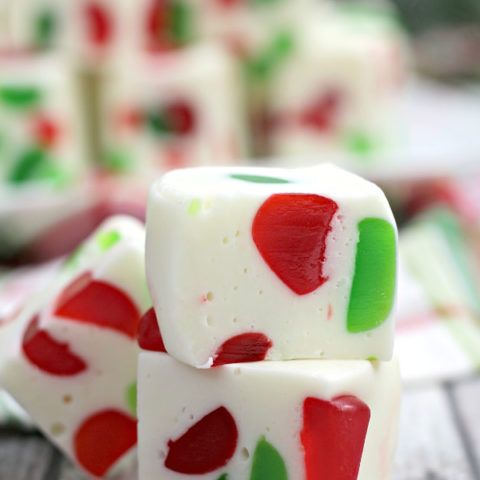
(70, 357)
(299, 420)
(336, 92)
(173, 110)
(253, 263)
(40, 122)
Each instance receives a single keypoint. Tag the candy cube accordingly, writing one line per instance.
(41, 138)
(304, 420)
(70, 357)
(173, 110)
(255, 263)
(336, 93)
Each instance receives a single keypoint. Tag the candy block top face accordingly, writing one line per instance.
(303, 261)
(301, 420)
(76, 343)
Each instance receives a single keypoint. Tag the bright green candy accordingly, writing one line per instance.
(118, 161)
(181, 23)
(32, 165)
(258, 178)
(131, 397)
(360, 144)
(373, 286)
(264, 66)
(107, 240)
(267, 463)
(45, 29)
(19, 97)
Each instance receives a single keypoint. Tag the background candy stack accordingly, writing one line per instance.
(273, 291)
(161, 84)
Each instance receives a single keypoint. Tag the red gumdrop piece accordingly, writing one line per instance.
(333, 437)
(205, 446)
(99, 303)
(290, 231)
(48, 354)
(149, 336)
(181, 118)
(323, 113)
(247, 347)
(157, 24)
(102, 439)
(99, 23)
(46, 131)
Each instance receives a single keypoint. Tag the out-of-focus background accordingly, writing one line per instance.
(98, 98)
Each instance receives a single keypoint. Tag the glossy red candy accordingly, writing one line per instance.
(205, 446)
(247, 347)
(48, 354)
(102, 439)
(290, 231)
(333, 437)
(93, 301)
(99, 24)
(149, 336)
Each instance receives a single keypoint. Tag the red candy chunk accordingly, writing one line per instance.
(46, 131)
(333, 437)
(99, 303)
(149, 336)
(102, 439)
(99, 23)
(323, 113)
(290, 231)
(48, 354)
(181, 117)
(205, 446)
(247, 347)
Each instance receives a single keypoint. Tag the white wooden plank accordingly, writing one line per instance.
(430, 446)
(467, 397)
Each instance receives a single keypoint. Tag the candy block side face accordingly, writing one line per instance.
(160, 116)
(275, 263)
(41, 129)
(77, 345)
(270, 420)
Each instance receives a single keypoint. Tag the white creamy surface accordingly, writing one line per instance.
(266, 399)
(209, 282)
(58, 405)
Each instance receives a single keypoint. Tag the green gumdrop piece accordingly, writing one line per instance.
(181, 23)
(267, 463)
(157, 124)
(118, 161)
(263, 67)
(107, 240)
(258, 178)
(373, 286)
(131, 397)
(223, 477)
(360, 144)
(19, 97)
(45, 28)
(32, 165)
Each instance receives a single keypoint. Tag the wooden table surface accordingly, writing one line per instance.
(439, 439)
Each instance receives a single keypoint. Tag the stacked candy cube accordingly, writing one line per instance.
(268, 352)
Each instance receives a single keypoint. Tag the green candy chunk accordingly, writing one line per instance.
(258, 178)
(223, 477)
(19, 97)
(131, 397)
(267, 463)
(373, 286)
(360, 144)
(158, 124)
(181, 23)
(107, 240)
(264, 66)
(32, 165)
(118, 161)
(45, 29)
